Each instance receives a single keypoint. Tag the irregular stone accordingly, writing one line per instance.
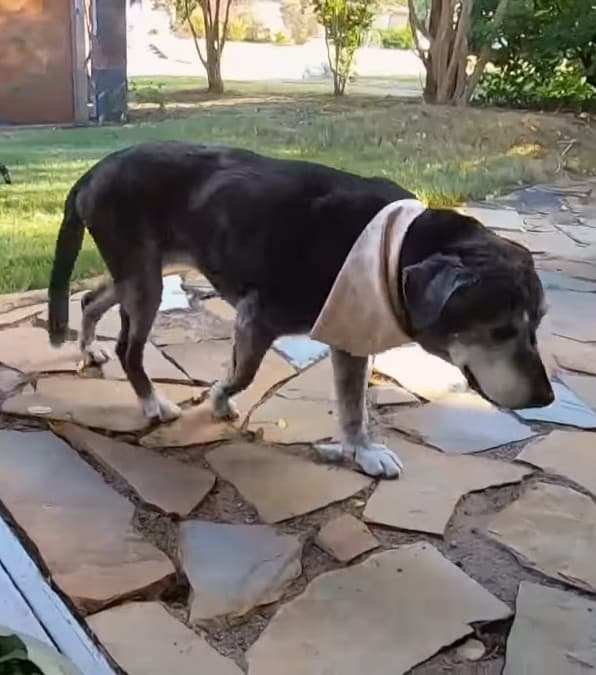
(570, 268)
(174, 329)
(571, 315)
(572, 355)
(172, 486)
(300, 350)
(301, 411)
(195, 426)
(471, 650)
(566, 409)
(424, 497)
(582, 385)
(535, 199)
(145, 640)
(282, 485)
(323, 630)
(81, 527)
(567, 453)
(173, 296)
(421, 373)
(108, 326)
(101, 404)
(561, 282)
(155, 363)
(460, 423)
(220, 308)
(553, 633)
(233, 568)
(19, 314)
(390, 395)
(345, 538)
(28, 349)
(495, 218)
(553, 529)
(207, 361)
(10, 380)
(197, 284)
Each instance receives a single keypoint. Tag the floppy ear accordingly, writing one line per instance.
(428, 285)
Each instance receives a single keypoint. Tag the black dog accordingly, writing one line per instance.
(271, 236)
(5, 173)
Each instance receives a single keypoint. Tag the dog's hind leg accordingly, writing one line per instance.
(139, 301)
(351, 374)
(94, 305)
(252, 339)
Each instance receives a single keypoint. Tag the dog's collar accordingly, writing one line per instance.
(363, 313)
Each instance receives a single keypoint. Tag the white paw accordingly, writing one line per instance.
(221, 406)
(95, 354)
(159, 408)
(377, 460)
(330, 452)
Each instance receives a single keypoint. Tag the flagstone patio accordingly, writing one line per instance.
(215, 547)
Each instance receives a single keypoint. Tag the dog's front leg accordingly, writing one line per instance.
(351, 374)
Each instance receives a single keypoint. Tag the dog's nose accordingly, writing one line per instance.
(543, 397)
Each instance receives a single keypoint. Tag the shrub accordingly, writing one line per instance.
(280, 39)
(237, 28)
(198, 22)
(299, 19)
(397, 38)
(256, 31)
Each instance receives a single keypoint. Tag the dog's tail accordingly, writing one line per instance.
(68, 245)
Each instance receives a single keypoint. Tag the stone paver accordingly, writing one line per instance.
(145, 640)
(567, 409)
(108, 327)
(345, 538)
(220, 308)
(171, 485)
(156, 365)
(390, 395)
(426, 493)
(301, 411)
(28, 349)
(206, 361)
(554, 632)
(282, 485)
(460, 423)
(568, 453)
(101, 404)
(82, 528)
(301, 351)
(169, 330)
(233, 568)
(421, 373)
(561, 282)
(565, 310)
(495, 218)
(413, 599)
(553, 529)
(573, 355)
(582, 385)
(19, 314)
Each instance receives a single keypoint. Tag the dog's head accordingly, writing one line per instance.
(5, 174)
(478, 304)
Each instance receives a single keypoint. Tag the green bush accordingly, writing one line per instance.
(397, 38)
(198, 22)
(280, 39)
(237, 28)
(256, 31)
(521, 85)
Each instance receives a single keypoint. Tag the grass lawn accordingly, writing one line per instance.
(446, 155)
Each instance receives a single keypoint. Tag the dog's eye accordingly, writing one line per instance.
(503, 333)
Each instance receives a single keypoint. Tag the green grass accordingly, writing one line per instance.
(444, 155)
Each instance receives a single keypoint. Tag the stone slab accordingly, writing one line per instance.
(495, 218)
(81, 527)
(156, 366)
(101, 404)
(345, 538)
(421, 373)
(552, 529)
(554, 633)
(174, 329)
(196, 426)
(300, 350)
(584, 386)
(301, 411)
(234, 568)
(427, 492)
(207, 361)
(572, 355)
(220, 308)
(108, 326)
(324, 629)
(390, 395)
(570, 268)
(567, 453)
(145, 640)
(28, 349)
(460, 423)
(281, 485)
(566, 409)
(164, 482)
(556, 281)
(19, 314)
(571, 315)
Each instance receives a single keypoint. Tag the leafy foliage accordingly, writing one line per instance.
(346, 24)
(397, 38)
(299, 19)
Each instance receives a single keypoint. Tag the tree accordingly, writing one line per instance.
(446, 26)
(346, 23)
(216, 16)
(299, 19)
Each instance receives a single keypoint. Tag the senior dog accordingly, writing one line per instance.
(274, 238)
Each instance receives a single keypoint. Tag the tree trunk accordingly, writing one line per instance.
(215, 84)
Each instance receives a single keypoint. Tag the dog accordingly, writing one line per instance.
(5, 173)
(271, 235)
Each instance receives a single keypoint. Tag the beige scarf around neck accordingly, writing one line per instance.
(362, 314)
